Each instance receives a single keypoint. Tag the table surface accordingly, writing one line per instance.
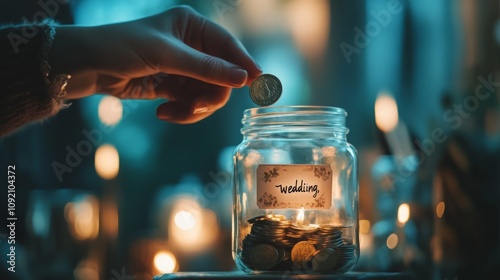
(242, 275)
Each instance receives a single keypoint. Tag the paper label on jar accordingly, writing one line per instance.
(294, 186)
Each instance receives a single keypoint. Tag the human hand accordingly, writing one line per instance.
(177, 55)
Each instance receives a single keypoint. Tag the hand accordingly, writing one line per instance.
(178, 55)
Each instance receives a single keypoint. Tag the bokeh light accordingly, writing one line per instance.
(386, 112)
(107, 162)
(440, 209)
(191, 228)
(364, 226)
(83, 218)
(110, 110)
(165, 262)
(310, 26)
(87, 269)
(403, 213)
(392, 241)
(184, 220)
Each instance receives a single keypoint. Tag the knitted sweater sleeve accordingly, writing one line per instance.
(27, 94)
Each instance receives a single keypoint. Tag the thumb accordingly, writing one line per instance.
(211, 69)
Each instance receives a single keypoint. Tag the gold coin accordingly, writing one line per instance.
(302, 252)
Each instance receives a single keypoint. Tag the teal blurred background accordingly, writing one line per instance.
(105, 190)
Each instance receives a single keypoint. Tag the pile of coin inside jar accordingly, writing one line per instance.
(275, 244)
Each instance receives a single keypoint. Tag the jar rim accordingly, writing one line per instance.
(301, 119)
(302, 109)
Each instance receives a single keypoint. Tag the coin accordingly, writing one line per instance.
(264, 256)
(266, 90)
(302, 252)
(274, 243)
(346, 256)
(325, 260)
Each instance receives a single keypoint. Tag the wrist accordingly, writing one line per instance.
(69, 55)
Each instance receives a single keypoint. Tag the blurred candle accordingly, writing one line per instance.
(395, 132)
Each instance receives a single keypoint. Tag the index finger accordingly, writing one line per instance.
(213, 39)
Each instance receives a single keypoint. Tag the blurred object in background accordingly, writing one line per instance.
(63, 226)
(467, 189)
(185, 218)
(440, 220)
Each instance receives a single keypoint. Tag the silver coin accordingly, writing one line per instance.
(266, 90)
(325, 260)
(264, 256)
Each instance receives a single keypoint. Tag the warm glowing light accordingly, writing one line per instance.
(165, 262)
(107, 162)
(83, 218)
(440, 209)
(87, 269)
(83, 222)
(184, 220)
(69, 212)
(261, 16)
(386, 112)
(252, 158)
(192, 228)
(110, 215)
(300, 216)
(365, 242)
(403, 213)
(364, 226)
(392, 241)
(309, 23)
(110, 110)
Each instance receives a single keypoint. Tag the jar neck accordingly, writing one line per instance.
(290, 122)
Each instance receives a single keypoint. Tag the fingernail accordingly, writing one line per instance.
(200, 108)
(237, 76)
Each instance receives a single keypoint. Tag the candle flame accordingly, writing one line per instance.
(300, 216)
(386, 112)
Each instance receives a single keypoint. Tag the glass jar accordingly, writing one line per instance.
(295, 192)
